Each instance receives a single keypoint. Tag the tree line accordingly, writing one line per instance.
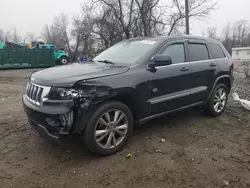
(235, 34)
(102, 23)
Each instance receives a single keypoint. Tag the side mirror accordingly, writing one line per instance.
(160, 60)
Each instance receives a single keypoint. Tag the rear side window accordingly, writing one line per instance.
(176, 52)
(198, 52)
(216, 51)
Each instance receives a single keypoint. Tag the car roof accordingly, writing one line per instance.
(164, 38)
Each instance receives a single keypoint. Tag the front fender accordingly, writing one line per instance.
(93, 95)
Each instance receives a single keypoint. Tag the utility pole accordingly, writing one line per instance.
(187, 17)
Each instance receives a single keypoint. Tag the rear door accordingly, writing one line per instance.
(204, 70)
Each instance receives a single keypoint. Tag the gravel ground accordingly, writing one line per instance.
(196, 151)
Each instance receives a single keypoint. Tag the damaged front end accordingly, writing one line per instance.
(90, 94)
(61, 123)
(65, 110)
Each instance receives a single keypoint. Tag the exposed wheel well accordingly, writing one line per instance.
(227, 82)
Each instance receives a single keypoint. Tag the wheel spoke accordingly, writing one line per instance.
(114, 139)
(223, 103)
(217, 96)
(117, 113)
(120, 118)
(221, 106)
(223, 96)
(125, 126)
(216, 106)
(102, 137)
(107, 117)
(108, 143)
(100, 132)
(216, 100)
(120, 133)
(103, 122)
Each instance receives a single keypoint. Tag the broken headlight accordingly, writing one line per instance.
(63, 93)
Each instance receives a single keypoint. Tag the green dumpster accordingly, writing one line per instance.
(26, 58)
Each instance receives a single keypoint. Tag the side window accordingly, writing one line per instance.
(176, 52)
(197, 52)
(216, 51)
(43, 47)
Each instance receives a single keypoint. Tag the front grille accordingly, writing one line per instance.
(35, 93)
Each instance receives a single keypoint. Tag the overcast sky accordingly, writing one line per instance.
(32, 15)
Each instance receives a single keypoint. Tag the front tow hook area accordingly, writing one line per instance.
(61, 141)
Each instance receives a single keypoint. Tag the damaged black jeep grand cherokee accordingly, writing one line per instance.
(130, 83)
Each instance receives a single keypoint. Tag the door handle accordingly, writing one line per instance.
(212, 65)
(183, 69)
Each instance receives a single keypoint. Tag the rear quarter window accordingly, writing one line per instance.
(216, 51)
(197, 52)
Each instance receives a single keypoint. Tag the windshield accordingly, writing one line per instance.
(127, 52)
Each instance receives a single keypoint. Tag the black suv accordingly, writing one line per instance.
(130, 83)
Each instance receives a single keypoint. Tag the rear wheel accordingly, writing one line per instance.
(218, 100)
(108, 129)
(63, 60)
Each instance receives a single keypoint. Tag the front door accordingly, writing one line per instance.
(170, 85)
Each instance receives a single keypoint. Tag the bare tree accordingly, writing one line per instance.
(8, 35)
(242, 28)
(61, 24)
(212, 32)
(2, 35)
(103, 23)
(122, 11)
(31, 36)
(236, 35)
(52, 35)
(197, 9)
(15, 36)
(226, 38)
(82, 31)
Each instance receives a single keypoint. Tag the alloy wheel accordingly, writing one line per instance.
(111, 129)
(220, 100)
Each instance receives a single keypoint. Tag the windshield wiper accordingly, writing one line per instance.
(106, 61)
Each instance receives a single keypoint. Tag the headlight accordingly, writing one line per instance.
(63, 93)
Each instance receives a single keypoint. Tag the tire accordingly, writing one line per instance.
(63, 60)
(211, 106)
(94, 127)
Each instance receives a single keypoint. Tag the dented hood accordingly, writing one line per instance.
(68, 75)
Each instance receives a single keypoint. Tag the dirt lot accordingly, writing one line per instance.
(199, 151)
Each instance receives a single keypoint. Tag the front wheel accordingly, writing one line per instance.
(109, 128)
(63, 60)
(217, 101)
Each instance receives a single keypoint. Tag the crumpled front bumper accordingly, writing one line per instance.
(38, 119)
(41, 130)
